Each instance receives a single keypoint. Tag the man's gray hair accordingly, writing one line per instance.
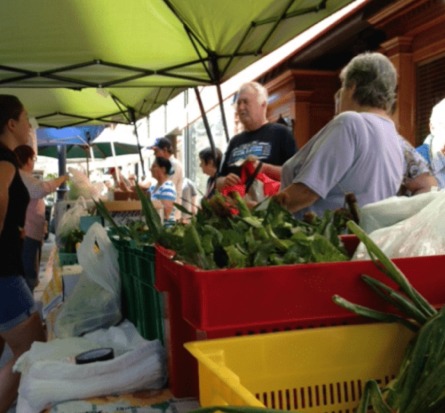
(258, 88)
(375, 80)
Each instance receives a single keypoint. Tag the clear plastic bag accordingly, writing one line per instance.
(422, 234)
(70, 220)
(392, 210)
(96, 299)
(82, 186)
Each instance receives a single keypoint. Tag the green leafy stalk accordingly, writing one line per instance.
(103, 211)
(391, 270)
(373, 396)
(243, 209)
(396, 299)
(194, 248)
(374, 314)
(426, 359)
(430, 394)
(152, 217)
(237, 257)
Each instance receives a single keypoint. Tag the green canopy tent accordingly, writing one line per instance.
(76, 62)
(86, 62)
(95, 150)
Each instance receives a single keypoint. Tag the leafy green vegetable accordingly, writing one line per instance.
(70, 240)
(225, 233)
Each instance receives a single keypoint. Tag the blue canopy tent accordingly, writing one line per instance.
(61, 138)
(72, 135)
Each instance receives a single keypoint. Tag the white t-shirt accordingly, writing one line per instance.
(354, 152)
(176, 177)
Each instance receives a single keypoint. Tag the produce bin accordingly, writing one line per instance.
(235, 302)
(141, 302)
(88, 220)
(310, 371)
(129, 309)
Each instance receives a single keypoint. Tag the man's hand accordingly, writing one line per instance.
(251, 158)
(232, 179)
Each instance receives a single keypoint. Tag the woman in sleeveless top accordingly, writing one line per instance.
(20, 323)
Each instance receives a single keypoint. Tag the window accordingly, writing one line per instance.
(430, 78)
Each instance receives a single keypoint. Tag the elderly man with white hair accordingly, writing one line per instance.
(271, 143)
(433, 148)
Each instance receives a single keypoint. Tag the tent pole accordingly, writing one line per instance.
(61, 156)
(90, 149)
(133, 121)
(205, 120)
(223, 112)
(216, 74)
(113, 154)
(88, 161)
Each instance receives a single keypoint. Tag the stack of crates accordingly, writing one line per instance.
(238, 302)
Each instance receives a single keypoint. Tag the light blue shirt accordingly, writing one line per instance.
(355, 152)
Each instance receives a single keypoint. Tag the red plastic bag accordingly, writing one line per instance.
(254, 185)
(270, 186)
(240, 188)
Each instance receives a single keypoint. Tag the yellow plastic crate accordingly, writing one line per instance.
(319, 370)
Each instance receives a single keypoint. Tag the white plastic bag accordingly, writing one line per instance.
(82, 186)
(71, 218)
(392, 210)
(49, 375)
(422, 234)
(96, 299)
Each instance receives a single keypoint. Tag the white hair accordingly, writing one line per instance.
(437, 118)
(260, 90)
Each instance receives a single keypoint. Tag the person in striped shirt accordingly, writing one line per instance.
(164, 190)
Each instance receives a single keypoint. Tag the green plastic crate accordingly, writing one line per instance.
(141, 302)
(88, 220)
(67, 258)
(129, 309)
(147, 300)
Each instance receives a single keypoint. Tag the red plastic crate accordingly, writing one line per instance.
(224, 303)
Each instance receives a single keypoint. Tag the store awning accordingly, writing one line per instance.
(100, 61)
